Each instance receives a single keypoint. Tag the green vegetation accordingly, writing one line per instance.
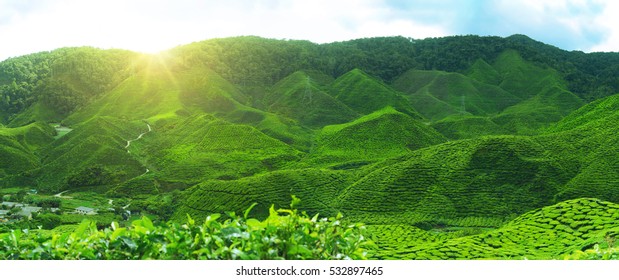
(548, 233)
(302, 97)
(437, 94)
(365, 95)
(382, 134)
(284, 234)
(460, 147)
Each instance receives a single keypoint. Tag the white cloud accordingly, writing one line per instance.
(143, 25)
(609, 19)
(155, 25)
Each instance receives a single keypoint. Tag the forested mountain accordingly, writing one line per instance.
(434, 141)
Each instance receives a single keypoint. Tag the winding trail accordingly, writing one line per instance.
(59, 195)
(139, 137)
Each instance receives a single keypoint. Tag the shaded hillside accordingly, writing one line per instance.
(463, 127)
(437, 94)
(484, 177)
(315, 187)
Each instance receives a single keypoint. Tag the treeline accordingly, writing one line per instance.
(18, 78)
(64, 79)
(68, 78)
(258, 61)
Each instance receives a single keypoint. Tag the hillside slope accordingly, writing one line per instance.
(382, 134)
(585, 140)
(300, 97)
(17, 147)
(438, 94)
(365, 94)
(547, 233)
(491, 177)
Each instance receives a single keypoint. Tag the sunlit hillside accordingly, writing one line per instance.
(459, 147)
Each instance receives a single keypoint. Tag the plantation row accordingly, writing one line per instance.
(551, 232)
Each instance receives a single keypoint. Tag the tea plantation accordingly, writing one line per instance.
(460, 147)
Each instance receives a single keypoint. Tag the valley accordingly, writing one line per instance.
(460, 147)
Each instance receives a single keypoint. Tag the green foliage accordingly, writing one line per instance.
(284, 234)
(364, 94)
(18, 147)
(316, 187)
(98, 142)
(91, 176)
(483, 177)
(48, 220)
(60, 81)
(204, 147)
(381, 134)
(437, 94)
(566, 228)
(301, 97)
(597, 253)
(465, 126)
(53, 202)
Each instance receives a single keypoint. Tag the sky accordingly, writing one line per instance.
(28, 26)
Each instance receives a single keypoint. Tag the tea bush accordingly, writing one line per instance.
(284, 234)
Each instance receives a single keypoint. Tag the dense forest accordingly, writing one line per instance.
(72, 77)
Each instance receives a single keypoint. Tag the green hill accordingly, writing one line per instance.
(488, 177)
(49, 86)
(485, 73)
(585, 141)
(298, 96)
(546, 94)
(437, 94)
(203, 147)
(156, 93)
(382, 134)
(365, 94)
(523, 78)
(315, 187)
(17, 147)
(98, 143)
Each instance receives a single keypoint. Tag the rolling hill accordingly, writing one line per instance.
(382, 134)
(447, 148)
(365, 94)
(301, 97)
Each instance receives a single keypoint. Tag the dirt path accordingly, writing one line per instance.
(139, 137)
(59, 195)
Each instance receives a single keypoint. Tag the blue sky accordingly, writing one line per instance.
(28, 26)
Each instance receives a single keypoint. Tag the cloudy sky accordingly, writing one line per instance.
(28, 26)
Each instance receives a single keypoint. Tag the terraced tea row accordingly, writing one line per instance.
(547, 233)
